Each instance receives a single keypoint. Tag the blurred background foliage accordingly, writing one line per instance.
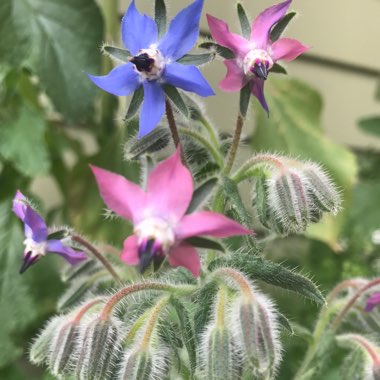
(47, 105)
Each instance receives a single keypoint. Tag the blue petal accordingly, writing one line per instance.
(137, 31)
(122, 80)
(257, 90)
(183, 32)
(35, 227)
(153, 107)
(68, 253)
(189, 78)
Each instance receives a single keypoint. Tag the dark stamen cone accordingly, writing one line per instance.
(260, 69)
(143, 62)
(28, 261)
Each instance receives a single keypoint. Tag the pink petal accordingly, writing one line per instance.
(222, 35)
(186, 256)
(208, 223)
(120, 195)
(130, 254)
(263, 23)
(235, 79)
(287, 49)
(170, 188)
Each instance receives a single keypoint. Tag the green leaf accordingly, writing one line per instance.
(280, 27)
(244, 22)
(160, 16)
(277, 68)
(272, 273)
(134, 105)
(294, 128)
(201, 242)
(17, 309)
(196, 59)
(284, 322)
(116, 53)
(174, 95)
(245, 96)
(63, 42)
(22, 142)
(201, 194)
(220, 50)
(370, 125)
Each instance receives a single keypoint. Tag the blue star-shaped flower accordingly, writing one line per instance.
(154, 62)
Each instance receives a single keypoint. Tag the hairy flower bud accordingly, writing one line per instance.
(100, 346)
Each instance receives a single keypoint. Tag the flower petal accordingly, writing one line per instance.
(257, 90)
(372, 301)
(68, 253)
(189, 78)
(235, 78)
(287, 49)
(122, 80)
(183, 32)
(130, 254)
(152, 108)
(19, 205)
(263, 23)
(120, 195)
(185, 256)
(170, 188)
(222, 35)
(208, 223)
(137, 31)
(35, 226)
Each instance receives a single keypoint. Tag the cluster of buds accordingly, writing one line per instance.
(292, 194)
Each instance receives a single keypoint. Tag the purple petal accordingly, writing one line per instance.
(264, 21)
(122, 80)
(68, 253)
(257, 90)
(35, 226)
(130, 254)
(287, 49)
(185, 256)
(152, 108)
(209, 223)
(120, 195)
(183, 32)
(19, 205)
(170, 188)
(137, 31)
(235, 78)
(372, 302)
(189, 78)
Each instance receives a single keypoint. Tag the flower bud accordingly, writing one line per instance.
(256, 330)
(100, 345)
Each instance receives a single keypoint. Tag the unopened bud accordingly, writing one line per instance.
(257, 335)
(41, 346)
(100, 346)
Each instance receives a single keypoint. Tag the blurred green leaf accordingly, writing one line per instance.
(63, 39)
(16, 306)
(370, 125)
(300, 134)
(22, 142)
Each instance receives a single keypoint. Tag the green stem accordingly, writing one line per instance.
(211, 131)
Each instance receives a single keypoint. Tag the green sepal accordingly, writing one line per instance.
(174, 95)
(278, 69)
(279, 28)
(244, 22)
(245, 96)
(119, 54)
(134, 105)
(201, 242)
(284, 322)
(57, 235)
(196, 59)
(220, 50)
(201, 193)
(160, 16)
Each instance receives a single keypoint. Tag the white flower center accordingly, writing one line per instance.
(36, 249)
(155, 229)
(254, 60)
(149, 64)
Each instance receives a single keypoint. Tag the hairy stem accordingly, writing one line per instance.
(172, 123)
(107, 265)
(85, 308)
(211, 131)
(238, 278)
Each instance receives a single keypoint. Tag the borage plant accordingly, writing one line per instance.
(178, 304)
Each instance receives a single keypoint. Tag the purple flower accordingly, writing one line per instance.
(154, 62)
(254, 57)
(372, 301)
(161, 225)
(37, 242)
